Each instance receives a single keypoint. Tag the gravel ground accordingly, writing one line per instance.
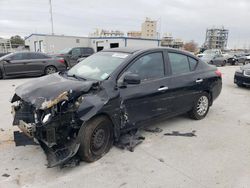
(219, 156)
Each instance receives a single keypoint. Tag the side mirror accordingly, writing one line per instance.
(132, 79)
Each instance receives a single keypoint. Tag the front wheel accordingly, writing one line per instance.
(96, 139)
(50, 70)
(201, 107)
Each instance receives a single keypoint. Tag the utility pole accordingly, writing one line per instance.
(51, 18)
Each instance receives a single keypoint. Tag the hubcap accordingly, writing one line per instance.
(50, 70)
(98, 139)
(202, 105)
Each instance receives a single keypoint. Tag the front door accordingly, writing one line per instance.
(148, 99)
(16, 65)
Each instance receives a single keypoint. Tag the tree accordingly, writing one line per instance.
(191, 46)
(16, 40)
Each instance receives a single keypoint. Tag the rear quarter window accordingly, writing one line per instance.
(192, 63)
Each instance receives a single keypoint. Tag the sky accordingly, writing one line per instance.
(185, 19)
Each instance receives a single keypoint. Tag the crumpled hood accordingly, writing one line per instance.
(49, 87)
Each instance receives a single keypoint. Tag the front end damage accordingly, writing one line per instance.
(54, 123)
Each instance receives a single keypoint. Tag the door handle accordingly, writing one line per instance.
(199, 80)
(163, 89)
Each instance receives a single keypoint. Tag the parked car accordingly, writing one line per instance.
(244, 59)
(71, 55)
(85, 109)
(218, 59)
(29, 64)
(242, 76)
(2, 54)
(232, 60)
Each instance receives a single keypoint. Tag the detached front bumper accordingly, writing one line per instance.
(240, 78)
(59, 148)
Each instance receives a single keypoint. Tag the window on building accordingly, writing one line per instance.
(148, 67)
(179, 63)
(114, 45)
(77, 40)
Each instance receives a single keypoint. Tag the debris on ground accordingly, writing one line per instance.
(130, 140)
(155, 130)
(6, 175)
(22, 140)
(177, 133)
(73, 162)
(161, 160)
(1, 129)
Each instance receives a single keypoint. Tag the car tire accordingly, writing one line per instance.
(1, 74)
(50, 70)
(201, 107)
(240, 85)
(224, 63)
(96, 139)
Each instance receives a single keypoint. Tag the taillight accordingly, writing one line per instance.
(61, 61)
(218, 73)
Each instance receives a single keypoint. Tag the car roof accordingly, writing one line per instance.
(134, 50)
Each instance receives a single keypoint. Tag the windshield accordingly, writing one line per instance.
(98, 66)
(65, 51)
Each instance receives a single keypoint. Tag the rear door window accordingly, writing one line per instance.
(179, 63)
(38, 56)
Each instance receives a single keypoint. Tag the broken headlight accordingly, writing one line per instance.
(46, 118)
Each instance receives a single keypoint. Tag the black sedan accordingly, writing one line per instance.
(242, 76)
(29, 64)
(85, 109)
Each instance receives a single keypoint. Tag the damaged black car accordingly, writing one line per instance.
(84, 110)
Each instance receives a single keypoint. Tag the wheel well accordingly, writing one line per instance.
(116, 134)
(210, 97)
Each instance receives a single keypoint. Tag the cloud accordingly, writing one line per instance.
(186, 19)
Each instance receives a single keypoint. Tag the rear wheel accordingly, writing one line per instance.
(1, 74)
(96, 139)
(50, 70)
(201, 107)
(240, 85)
(224, 63)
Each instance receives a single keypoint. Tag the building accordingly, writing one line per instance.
(5, 45)
(169, 41)
(107, 33)
(216, 38)
(54, 43)
(134, 34)
(100, 43)
(149, 29)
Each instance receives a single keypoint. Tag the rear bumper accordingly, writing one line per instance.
(239, 78)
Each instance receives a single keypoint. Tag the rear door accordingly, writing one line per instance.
(151, 97)
(37, 62)
(185, 83)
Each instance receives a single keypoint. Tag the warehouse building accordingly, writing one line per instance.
(100, 43)
(52, 44)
